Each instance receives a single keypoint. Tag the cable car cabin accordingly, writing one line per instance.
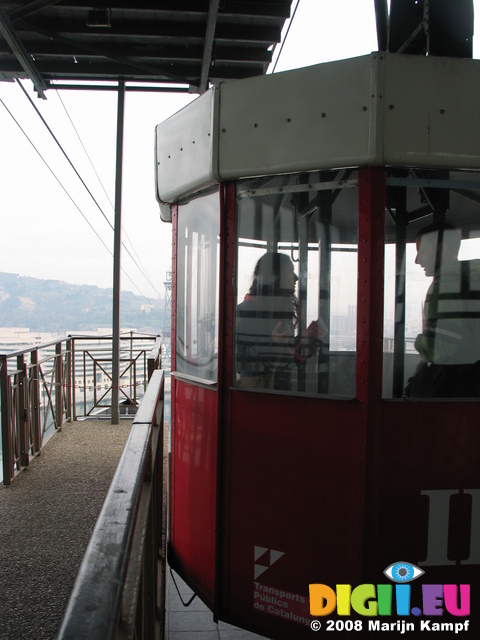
(325, 404)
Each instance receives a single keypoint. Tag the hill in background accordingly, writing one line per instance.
(58, 307)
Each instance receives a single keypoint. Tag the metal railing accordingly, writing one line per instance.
(45, 386)
(120, 587)
(92, 371)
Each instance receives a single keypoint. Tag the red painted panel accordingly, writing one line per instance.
(193, 487)
(429, 466)
(295, 474)
(296, 488)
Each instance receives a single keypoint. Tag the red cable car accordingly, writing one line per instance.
(325, 413)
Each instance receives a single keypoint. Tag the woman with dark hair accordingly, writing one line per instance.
(267, 321)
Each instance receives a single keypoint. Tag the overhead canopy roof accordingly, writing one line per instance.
(188, 42)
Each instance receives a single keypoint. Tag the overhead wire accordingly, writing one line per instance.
(54, 175)
(87, 189)
(141, 266)
(83, 147)
(286, 36)
(69, 196)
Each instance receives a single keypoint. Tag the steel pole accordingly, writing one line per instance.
(117, 245)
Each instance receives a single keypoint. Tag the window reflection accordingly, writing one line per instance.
(296, 283)
(197, 288)
(432, 286)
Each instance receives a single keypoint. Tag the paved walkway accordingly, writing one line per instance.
(47, 516)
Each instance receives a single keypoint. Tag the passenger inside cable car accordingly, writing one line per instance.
(432, 285)
(288, 340)
(309, 222)
(449, 345)
(267, 321)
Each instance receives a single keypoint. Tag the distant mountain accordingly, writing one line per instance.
(58, 307)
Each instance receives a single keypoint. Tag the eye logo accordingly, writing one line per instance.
(403, 572)
(378, 600)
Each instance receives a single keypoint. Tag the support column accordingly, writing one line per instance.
(117, 244)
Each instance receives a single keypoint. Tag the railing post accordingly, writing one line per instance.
(94, 378)
(85, 383)
(150, 568)
(7, 442)
(154, 360)
(58, 386)
(68, 381)
(73, 381)
(35, 402)
(151, 367)
(22, 413)
(131, 392)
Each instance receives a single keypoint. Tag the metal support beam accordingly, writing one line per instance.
(117, 245)
(381, 16)
(81, 47)
(209, 40)
(31, 7)
(22, 55)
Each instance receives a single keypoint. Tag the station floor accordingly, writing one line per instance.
(47, 516)
(195, 622)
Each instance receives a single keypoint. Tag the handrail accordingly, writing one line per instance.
(44, 386)
(35, 398)
(154, 358)
(117, 587)
(101, 365)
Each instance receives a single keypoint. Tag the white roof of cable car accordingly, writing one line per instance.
(380, 109)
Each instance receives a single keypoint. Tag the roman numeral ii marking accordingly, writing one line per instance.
(438, 524)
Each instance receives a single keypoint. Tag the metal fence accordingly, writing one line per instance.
(45, 386)
(120, 587)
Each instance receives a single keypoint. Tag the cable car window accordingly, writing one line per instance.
(296, 283)
(432, 285)
(197, 288)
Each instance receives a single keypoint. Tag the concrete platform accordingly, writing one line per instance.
(47, 516)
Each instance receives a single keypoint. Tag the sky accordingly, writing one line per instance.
(51, 227)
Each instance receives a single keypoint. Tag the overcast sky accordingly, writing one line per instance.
(44, 231)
